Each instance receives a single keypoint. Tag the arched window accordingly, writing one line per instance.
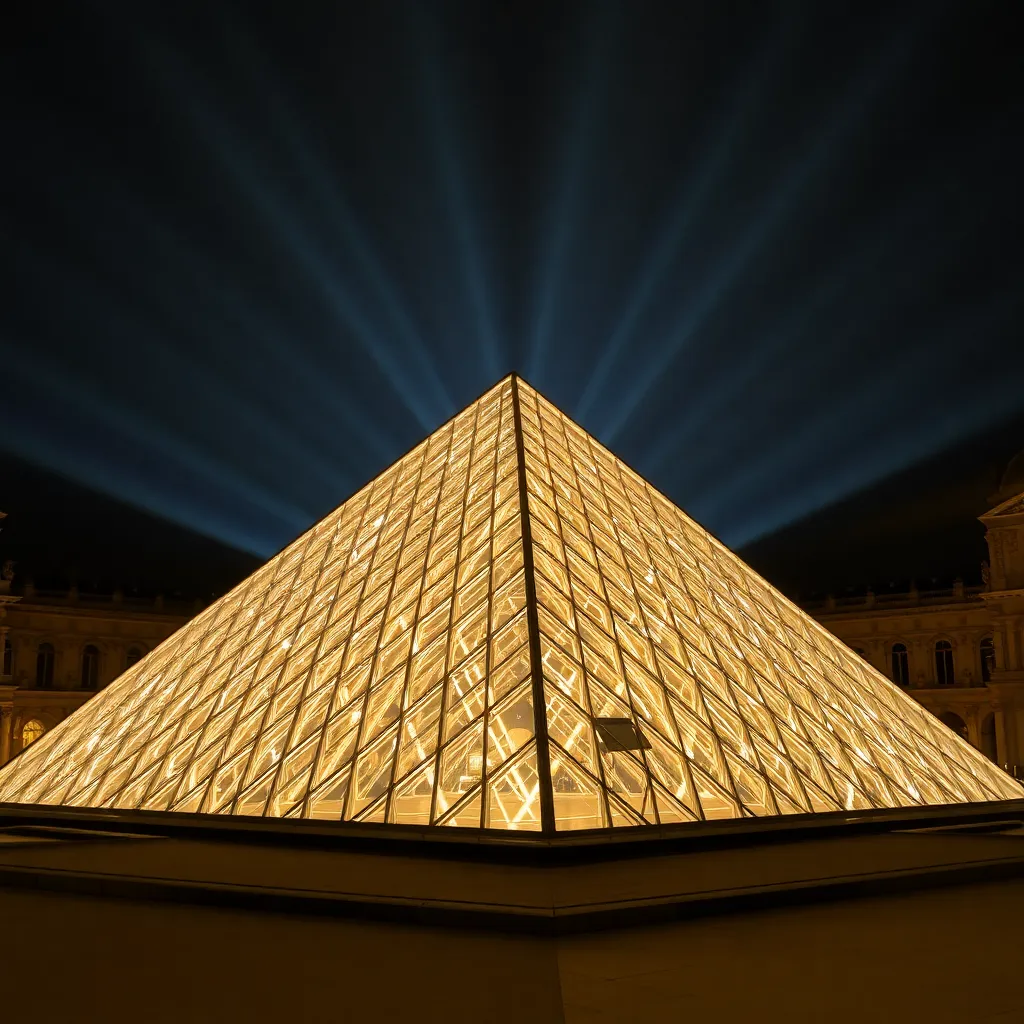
(31, 731)
(988, 659)
(133, 656)
(5, 668)
(44, 667)
(954, 722)
(90, 667)
(900, 665)
(944, 663)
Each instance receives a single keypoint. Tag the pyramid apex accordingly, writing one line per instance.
(515, 375)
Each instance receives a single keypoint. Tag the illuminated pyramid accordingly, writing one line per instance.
(507, 629)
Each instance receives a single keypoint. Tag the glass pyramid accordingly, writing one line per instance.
(507, 629)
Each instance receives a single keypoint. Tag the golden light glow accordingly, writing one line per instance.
(31, 731)
(748, 705)
(379, 669)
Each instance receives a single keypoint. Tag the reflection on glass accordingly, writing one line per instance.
(31, 731)
(380, 669)
(749, 706)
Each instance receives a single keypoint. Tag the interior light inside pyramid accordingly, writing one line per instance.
(382, 668)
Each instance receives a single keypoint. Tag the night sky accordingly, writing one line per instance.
(768, 253)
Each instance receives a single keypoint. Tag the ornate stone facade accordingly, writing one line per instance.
(960, 651)
(59, 649)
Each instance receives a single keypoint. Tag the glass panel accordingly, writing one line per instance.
(461, 766)
(572, 729)
(604, 704)
(559, 633)
(555, 602)
(313, 713)
(419, 732)
(339, 744)
(750, 787)
(715, 801)
(599, 642)
(394, 656)
(463, 707)
(269, 749)
(472, 595)
(328, 801)
(509, 639)
(426, 669)
(668, 767)
(510, 725)
(627, 779)
(432, 626)
(621, 815)
(509, 600)
(293, 780)
(383, 707)
(511, 671)
(784, 778)
(514, 794)
(466, 814)
(577, 796)
(550, 568)
(225, 785)
(507, 565)
(254, 800)
(410, 803)
(561, 671)
(371, 773)
(468, 633)
(648, 697)
(594, 607)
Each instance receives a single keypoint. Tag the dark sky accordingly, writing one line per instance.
(768, 253)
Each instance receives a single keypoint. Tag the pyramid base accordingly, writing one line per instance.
(459, 877)
(251, 923)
